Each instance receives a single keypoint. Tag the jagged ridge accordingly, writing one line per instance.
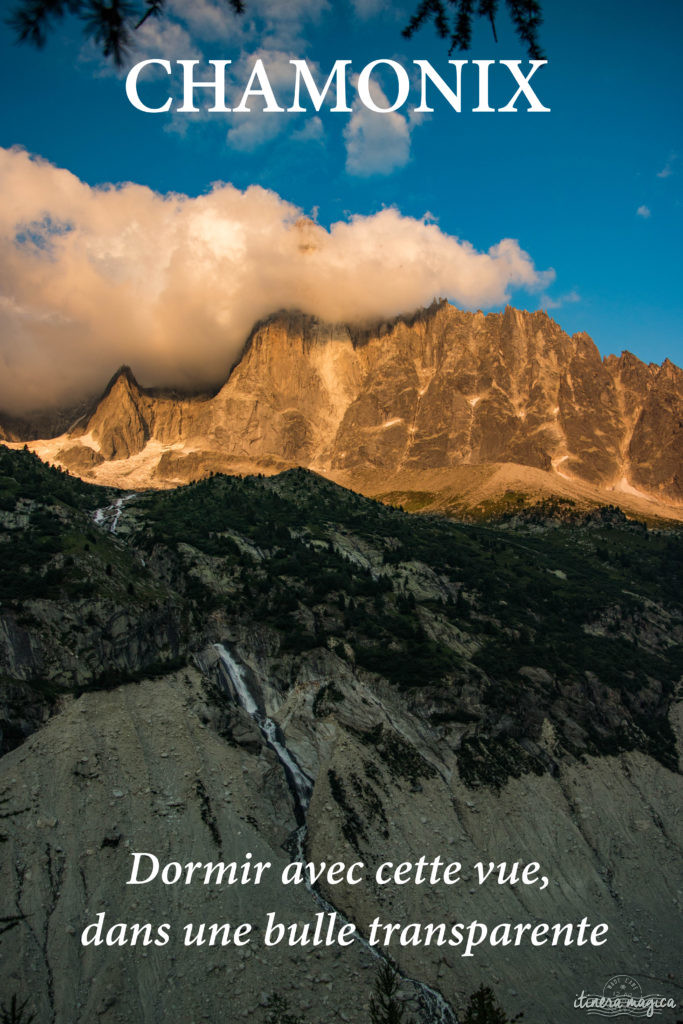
(438, 390)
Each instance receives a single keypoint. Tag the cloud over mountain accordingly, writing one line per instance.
(95, 277)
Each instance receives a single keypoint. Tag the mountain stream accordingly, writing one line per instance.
(109, 516)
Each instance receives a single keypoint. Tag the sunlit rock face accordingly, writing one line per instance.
(438, 390)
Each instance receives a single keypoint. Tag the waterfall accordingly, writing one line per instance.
(300, 783)
(435, 1009)
(118, 509)
(109, 515)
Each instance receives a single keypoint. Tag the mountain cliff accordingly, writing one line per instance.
(378, 408)
(281, 668)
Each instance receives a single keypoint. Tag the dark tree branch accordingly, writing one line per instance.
(155, 8)
(16, 1012)
(487, 9)
(109, 23)
(31, 19)
(10, 922)
(112, 23)
(525, 15)
(462, 37)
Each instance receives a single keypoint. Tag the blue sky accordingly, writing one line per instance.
(592, 189)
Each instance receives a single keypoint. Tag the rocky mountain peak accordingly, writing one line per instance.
(124, 377)
(432, 392)
(669, 371)
(119, 424)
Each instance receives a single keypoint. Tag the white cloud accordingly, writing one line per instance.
(285, 22)
(163, 37)
(369, 8)
(250, 130)
(95, 277)
(207, 20)
(644, 212)
(376, 143)
(245, 132)
(548, 302)
(312, 131)
(668, 168)
(192, 30)
(275, 31)
(396, 13)
(277, 24)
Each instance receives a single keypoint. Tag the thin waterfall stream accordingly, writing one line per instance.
(434, 1008)
(109, 516)
(300, 783)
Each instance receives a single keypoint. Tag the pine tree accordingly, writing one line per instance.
(385, 1006)
(484, 1009)
(16, 1013)
(278, 1011)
